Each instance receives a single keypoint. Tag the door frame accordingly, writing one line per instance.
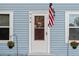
(30, 31)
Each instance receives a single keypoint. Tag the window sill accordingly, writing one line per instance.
(4, 41)
(73, 40)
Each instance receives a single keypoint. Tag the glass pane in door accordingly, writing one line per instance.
(39, 28)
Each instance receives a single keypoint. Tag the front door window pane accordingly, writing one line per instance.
(39, 27)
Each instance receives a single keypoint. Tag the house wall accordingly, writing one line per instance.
(21, 29)
(58, 43)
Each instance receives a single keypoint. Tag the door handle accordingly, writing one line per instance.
(46, 33)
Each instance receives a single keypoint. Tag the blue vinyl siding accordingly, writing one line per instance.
(58, 45)
(21, 29)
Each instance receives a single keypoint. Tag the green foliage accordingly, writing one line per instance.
(10, 44)
(74, 44)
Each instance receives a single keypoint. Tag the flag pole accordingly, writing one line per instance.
(16, 43)
(68, 47)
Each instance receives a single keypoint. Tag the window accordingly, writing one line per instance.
(72, 26)
(39, 28)
(6, 25)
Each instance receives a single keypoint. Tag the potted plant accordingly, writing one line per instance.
(10, 44)
(74, 44)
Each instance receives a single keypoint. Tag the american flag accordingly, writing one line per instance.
(51, 15)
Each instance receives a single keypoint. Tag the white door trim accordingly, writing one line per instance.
(30, 24)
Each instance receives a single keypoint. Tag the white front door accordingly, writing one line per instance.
(39, 33)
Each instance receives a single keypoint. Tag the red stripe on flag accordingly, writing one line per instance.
(51, 14)
(51, 19)
(49, 24)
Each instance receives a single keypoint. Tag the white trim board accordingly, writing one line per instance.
(67, 24)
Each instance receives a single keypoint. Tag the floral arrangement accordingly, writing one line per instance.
(10, 44)
(74, 44)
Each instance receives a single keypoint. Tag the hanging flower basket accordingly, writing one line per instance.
(74, 44)
(10, 44)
